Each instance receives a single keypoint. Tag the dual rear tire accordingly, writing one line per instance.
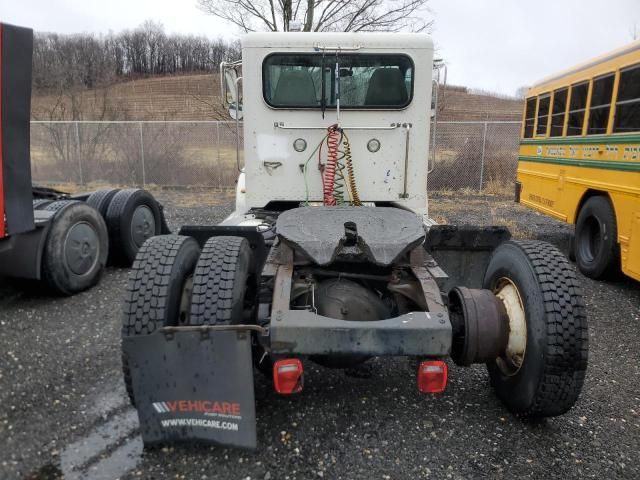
(76, 247)
(112, 224)
(172, 282)
(132, 216)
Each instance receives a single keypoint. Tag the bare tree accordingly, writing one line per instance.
(322, 15)
(87, 60)
(521, 92)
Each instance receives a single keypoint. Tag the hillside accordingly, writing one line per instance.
(185, 97)
(196, 97)
(460, 105)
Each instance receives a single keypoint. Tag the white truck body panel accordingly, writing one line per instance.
(380, 175)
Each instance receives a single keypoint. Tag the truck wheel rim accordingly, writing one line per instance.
(81, 247)
(143, 225)
(514, 354)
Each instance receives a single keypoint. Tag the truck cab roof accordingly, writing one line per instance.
(344, 40)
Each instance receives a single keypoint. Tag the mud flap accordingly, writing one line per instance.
(194, 385)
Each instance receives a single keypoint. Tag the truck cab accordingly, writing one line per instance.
(375, 87)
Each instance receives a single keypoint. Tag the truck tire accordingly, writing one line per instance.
(58, 204)
(220, 282)
(41, 203)
(76, 247)
(157, 282)
(101, 199)
(596, 239)
(133, 216)
(542, 370)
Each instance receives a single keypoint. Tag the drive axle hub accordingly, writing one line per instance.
(480, 326)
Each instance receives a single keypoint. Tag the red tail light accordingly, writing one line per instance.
(288, 376)
(432, 376)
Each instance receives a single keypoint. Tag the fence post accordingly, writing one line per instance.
(79, 153)
(218, 142)
(484, 143)
(144, 174)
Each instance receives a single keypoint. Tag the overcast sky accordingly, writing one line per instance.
(497, 45)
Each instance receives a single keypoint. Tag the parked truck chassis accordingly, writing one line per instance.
(233, 300)
(339, 262)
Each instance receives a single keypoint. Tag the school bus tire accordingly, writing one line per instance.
(596, 247)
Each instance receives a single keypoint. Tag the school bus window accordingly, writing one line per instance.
(628, 105)
(577, 107)
(543, 114)
(529, 117)
(558, 113)
(600, 105)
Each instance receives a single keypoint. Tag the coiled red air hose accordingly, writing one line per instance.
(329, 175)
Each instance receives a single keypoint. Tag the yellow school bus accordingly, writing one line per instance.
(579, 158)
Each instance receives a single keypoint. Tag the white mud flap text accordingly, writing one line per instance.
(194, 385)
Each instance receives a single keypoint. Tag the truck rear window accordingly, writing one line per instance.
(309, 80)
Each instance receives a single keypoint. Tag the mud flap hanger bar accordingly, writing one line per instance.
(207, 328)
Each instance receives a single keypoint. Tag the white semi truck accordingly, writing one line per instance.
(330, 255)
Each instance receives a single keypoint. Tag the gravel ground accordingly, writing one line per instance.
(63, 411)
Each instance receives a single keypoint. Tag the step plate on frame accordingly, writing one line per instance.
(383, 233)
(194, 386)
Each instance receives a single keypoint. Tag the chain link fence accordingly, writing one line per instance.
(465, 155)
(474, 155)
